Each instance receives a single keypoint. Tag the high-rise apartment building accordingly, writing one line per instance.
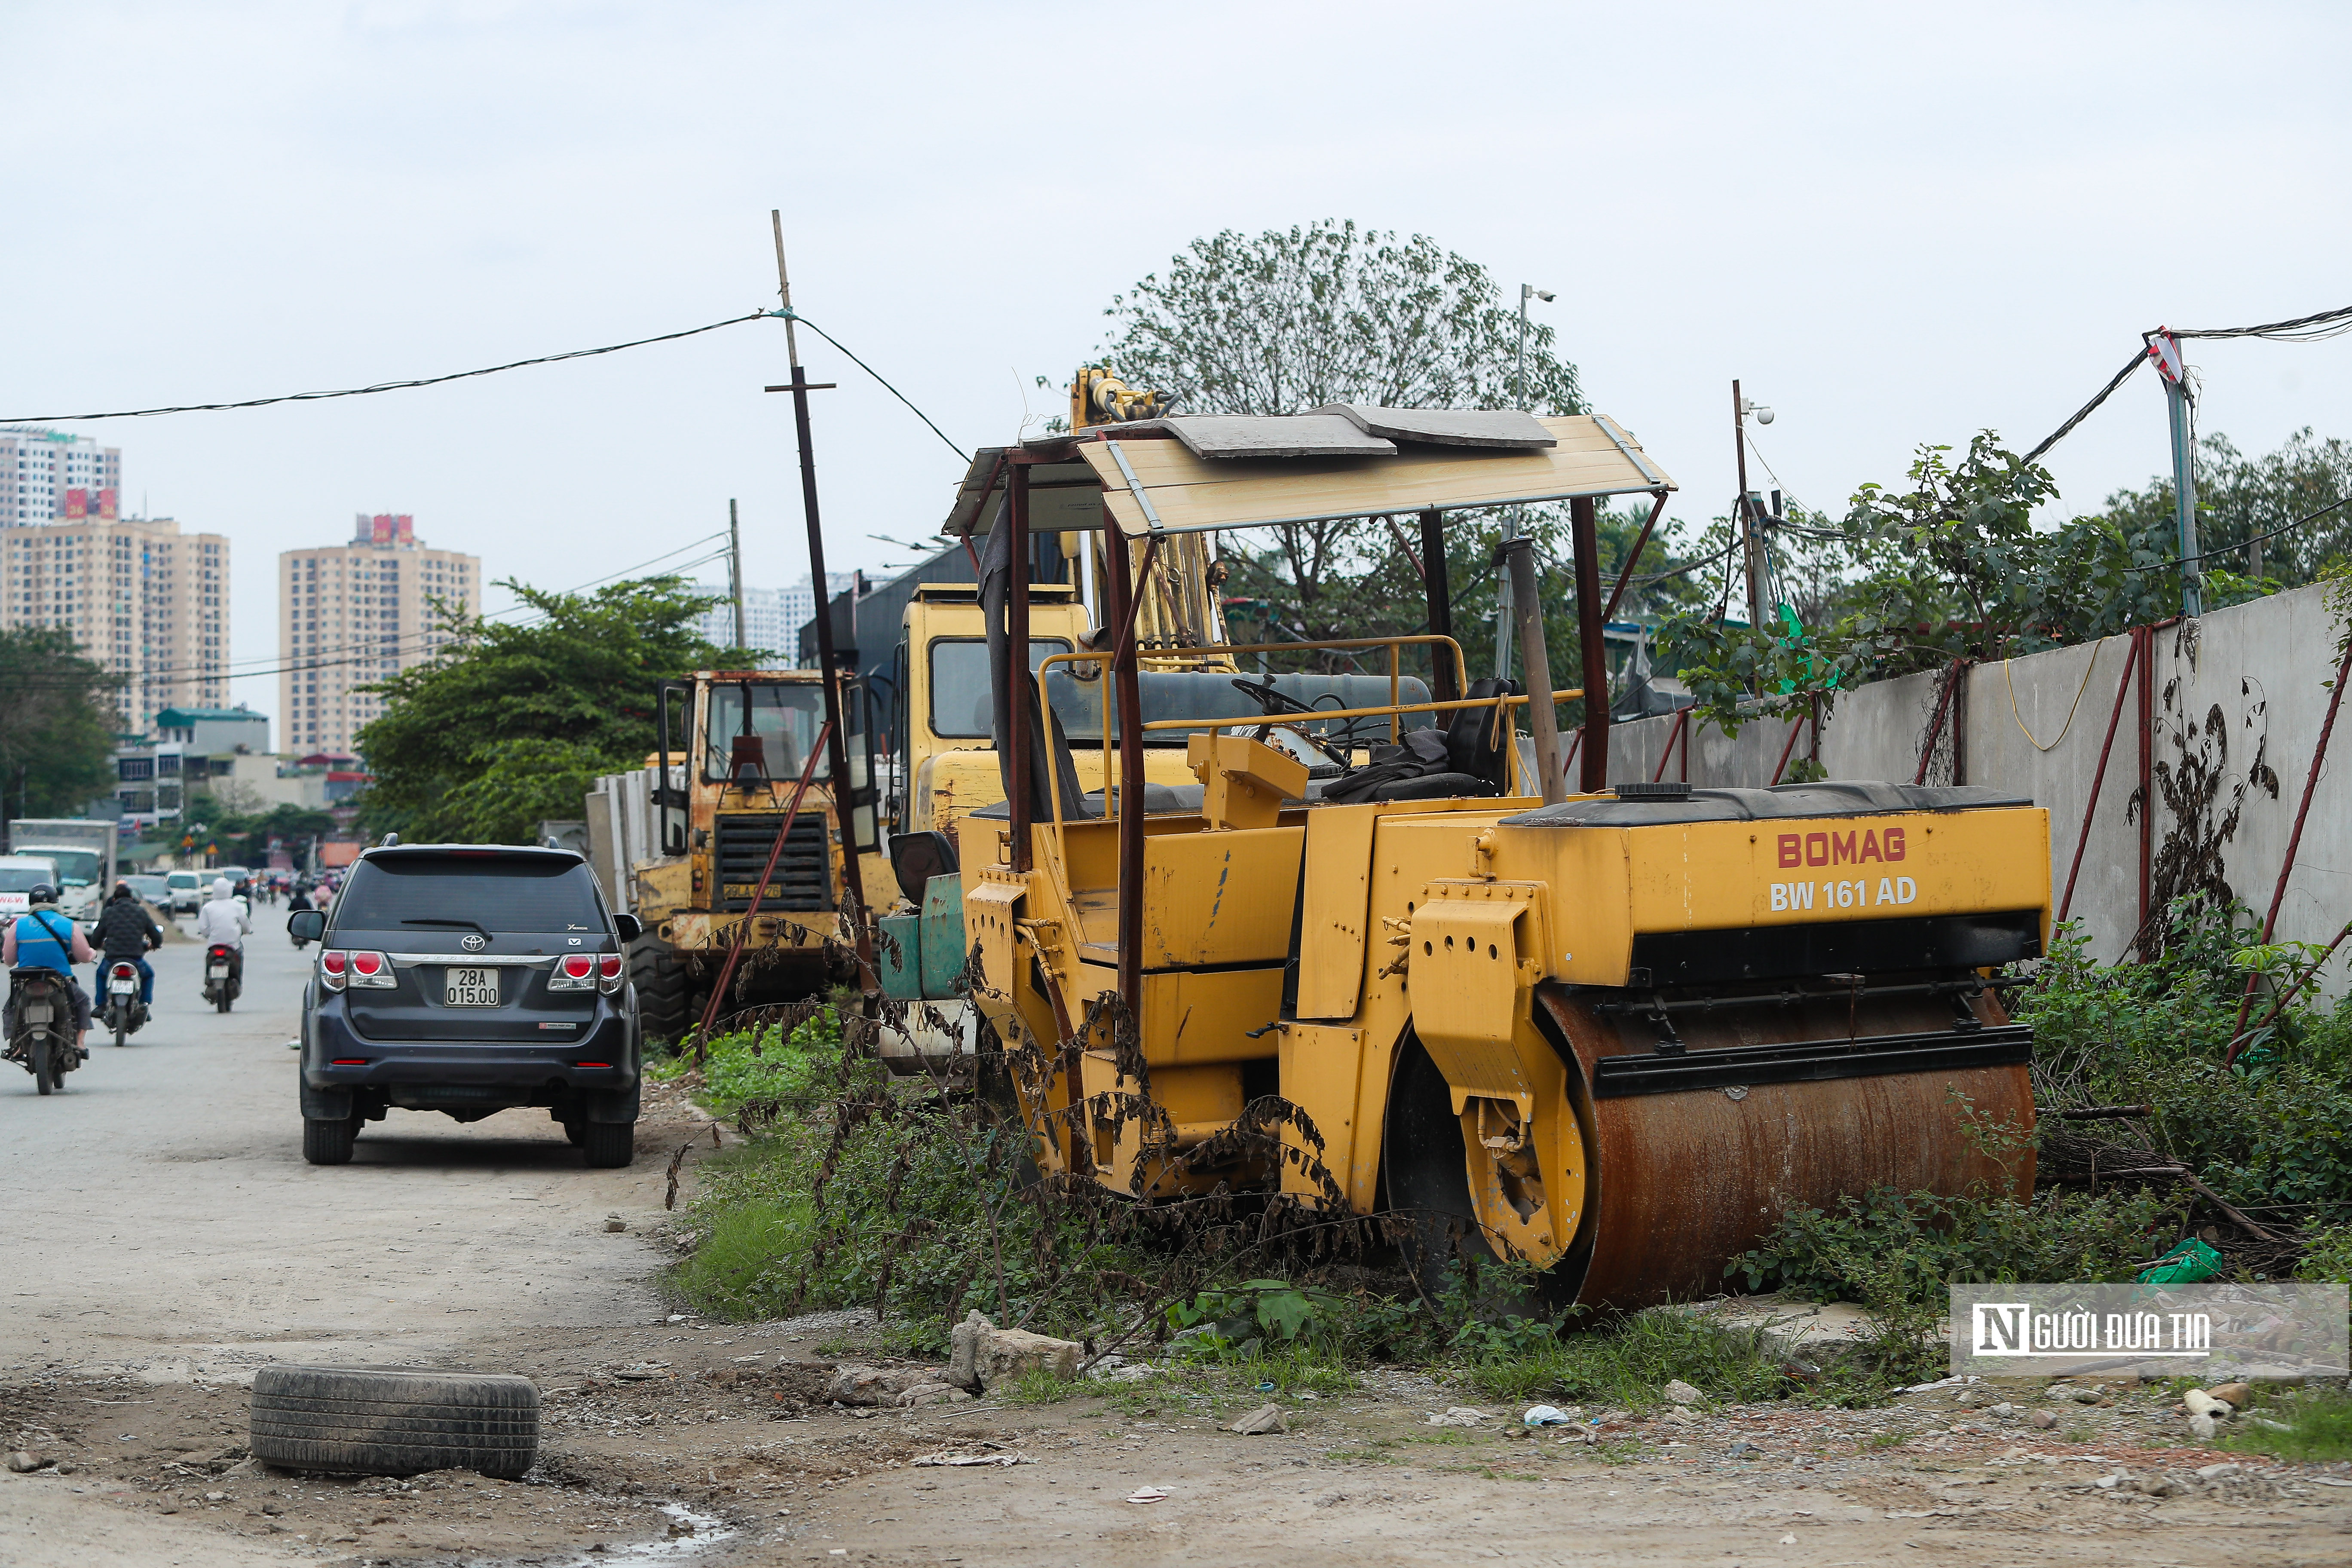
(146, 600)
(352, 615)
(772, 617)
(52, 476)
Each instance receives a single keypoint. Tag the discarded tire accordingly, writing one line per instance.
(394, 1420)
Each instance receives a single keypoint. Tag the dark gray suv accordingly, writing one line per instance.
(469, 979)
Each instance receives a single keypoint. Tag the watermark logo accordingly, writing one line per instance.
(2277, 1331)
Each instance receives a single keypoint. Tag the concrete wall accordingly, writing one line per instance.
(2238, 699)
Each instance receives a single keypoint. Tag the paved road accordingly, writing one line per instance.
(160, 1220)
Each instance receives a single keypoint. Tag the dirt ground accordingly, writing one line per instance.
(168, 1240)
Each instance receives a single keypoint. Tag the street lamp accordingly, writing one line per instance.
(1511, 518)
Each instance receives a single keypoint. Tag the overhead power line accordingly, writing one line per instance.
(2315, 327)
(385, 385)
(496, 369)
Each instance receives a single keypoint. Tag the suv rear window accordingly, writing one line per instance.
(497, 892)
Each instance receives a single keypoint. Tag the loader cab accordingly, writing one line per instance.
(733, 747)
(941, 757)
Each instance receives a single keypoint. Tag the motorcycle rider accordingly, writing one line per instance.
(126, 934)
(221, 923)
(41, 938)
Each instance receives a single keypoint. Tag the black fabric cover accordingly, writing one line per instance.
(995, 595)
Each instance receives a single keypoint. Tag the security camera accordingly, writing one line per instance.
(1763, 416)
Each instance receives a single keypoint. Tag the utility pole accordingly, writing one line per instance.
(735, 561)
(2165, 350)
(1752, 543)
(1504, 624)
(836, 735)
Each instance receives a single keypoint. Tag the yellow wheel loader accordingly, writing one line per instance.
(732, 746)
(1615, 1032)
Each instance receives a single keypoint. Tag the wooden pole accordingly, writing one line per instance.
(853, 905)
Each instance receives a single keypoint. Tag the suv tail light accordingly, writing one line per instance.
(363, 970)
(572, 971)
(610, 968)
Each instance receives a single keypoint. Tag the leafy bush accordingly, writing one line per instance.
(2327, 1256)
(1885, 1245)
(863, 1191)
(778, 1072)
(2274, 1129)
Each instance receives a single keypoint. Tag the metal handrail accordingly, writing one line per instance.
(1393, 711)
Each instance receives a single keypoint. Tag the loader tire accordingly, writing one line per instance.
(661, 985)
(394, 1420)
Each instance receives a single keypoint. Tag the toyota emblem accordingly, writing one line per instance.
(475, 943)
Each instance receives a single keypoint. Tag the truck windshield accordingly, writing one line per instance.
(76, 867)
(960, 692)
(20, 880)
(495, 891)
(784, 719)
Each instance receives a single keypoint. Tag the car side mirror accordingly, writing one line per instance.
(916, 857)
(628, 928)
(307, 925)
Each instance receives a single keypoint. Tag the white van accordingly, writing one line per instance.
(19, 875)
(187, 891)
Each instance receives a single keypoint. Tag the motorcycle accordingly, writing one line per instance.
(221, 982)
(42, 1038)
(124, 1011)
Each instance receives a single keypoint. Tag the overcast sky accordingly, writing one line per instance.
(1896, 224)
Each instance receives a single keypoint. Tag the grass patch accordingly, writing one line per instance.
(1037, 1387)
(2318, 1423)
(1629, 1363)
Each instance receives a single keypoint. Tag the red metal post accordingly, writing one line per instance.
(1625, 572)
(1935, 728)
(2294, 840)
(1124, 590)
(1016, 636)
(1682, 717)
(1584, 525)
(2123, 690)
(2147, 636)
(1796, 728)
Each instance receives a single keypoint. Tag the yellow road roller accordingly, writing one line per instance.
(1380, 957)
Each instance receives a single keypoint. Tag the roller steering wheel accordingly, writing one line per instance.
(1272, 701)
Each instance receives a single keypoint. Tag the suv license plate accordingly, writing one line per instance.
(471, 988)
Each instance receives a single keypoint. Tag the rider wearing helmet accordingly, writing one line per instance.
(221, 923)
(126, 934)
(41, 938)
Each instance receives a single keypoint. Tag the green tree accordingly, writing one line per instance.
(2240, 498)
(57, 724)
(508, 727)
(244, 837)
(1287, 321)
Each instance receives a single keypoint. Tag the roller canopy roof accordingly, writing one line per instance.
(1193, 473)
